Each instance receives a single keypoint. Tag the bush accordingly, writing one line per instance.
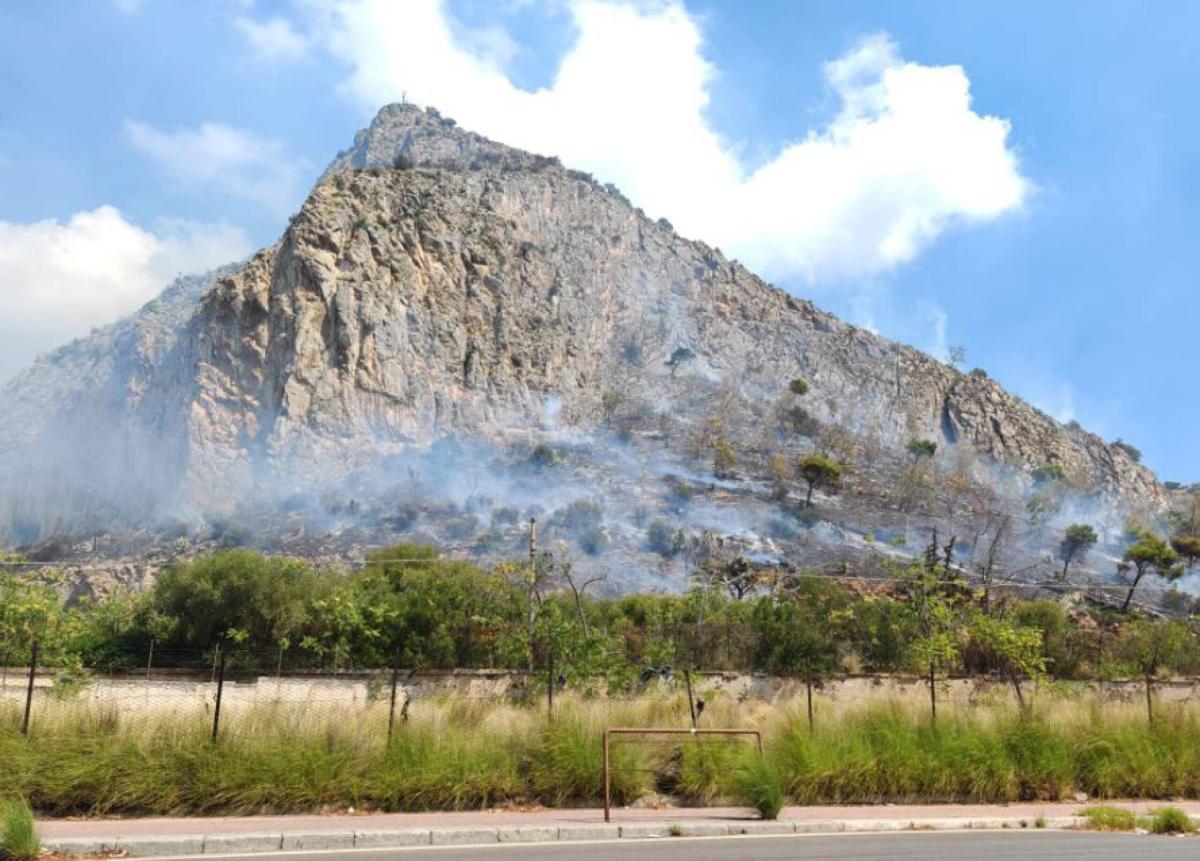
(543, 456)
(1132, 451)
(662, 539)
(757, 783)
(1105, 818)
(18, 840)
(1170, 820)
(920, 448)
(800, 421)
(593, 541)
(798, 386)
(1049, 472)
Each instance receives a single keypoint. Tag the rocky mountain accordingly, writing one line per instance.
(453, 336)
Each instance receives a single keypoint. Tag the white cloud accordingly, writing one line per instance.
(225, 159)
(273, 40)
(59, 279)
(904, 158)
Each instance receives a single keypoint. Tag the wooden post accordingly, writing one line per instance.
(150, 661)
(220, 691)
(687, 677)
(33, 658)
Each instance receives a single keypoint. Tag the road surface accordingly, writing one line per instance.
(919, 846)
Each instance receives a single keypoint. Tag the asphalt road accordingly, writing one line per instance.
(921, 846)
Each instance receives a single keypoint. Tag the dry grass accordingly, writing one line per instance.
(458, 753)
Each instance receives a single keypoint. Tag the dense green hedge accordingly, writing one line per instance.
(410, 608)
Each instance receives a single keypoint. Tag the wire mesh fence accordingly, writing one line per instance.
(232, 687)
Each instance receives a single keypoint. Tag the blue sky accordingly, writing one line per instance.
(1048, 226)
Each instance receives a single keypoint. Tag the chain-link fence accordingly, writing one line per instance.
(231, 685)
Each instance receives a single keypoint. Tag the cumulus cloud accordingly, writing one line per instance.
(59, 279)
(225, 159)
(904, 158)
(272, 40)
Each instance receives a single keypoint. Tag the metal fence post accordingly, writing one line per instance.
(687, 677)
(550, 684)
(33, 659)
(607, 780)
(808, 684)
(392, 707)
(220, 691)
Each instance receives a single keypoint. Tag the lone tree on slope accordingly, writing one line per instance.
(1188, 547)
(1078, 540)
(819, 471)
(1149, 553)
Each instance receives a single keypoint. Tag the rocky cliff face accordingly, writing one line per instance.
(453, 335)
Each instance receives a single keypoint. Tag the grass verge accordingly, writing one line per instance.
(1169, 820)
(456, 754)
(1103, 818)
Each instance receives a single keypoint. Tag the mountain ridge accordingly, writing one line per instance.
(437, 285)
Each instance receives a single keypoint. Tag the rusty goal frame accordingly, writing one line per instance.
(645, 736)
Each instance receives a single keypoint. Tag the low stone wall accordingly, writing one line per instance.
(164, 692)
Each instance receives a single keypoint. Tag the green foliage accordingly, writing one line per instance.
(1103, 817)
(1170, 820)
(662, 539)
(1150, 553)
(610, 402)
(724, 458)
(234, 594)
(1188, 548)
(1144, 646)
(461, 753)
(798, 387)
(1077, 541)
(543, 456)
(795, 636)
(920, 448)
(18, 836)
(758, 785)
(1130, 450)
(411, 606)
(1015, 649)
(820, 472)
(593, 541)
(799, 421)
(1049, 472)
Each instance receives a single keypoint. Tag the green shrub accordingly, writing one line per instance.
(1105, 818)
(920, 448)
(1170, 820)
(18, 841)
(662, 539)
(757, 783)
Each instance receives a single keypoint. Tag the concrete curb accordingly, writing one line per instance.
(213, 844)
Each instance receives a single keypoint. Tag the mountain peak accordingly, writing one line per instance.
(405, 135)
